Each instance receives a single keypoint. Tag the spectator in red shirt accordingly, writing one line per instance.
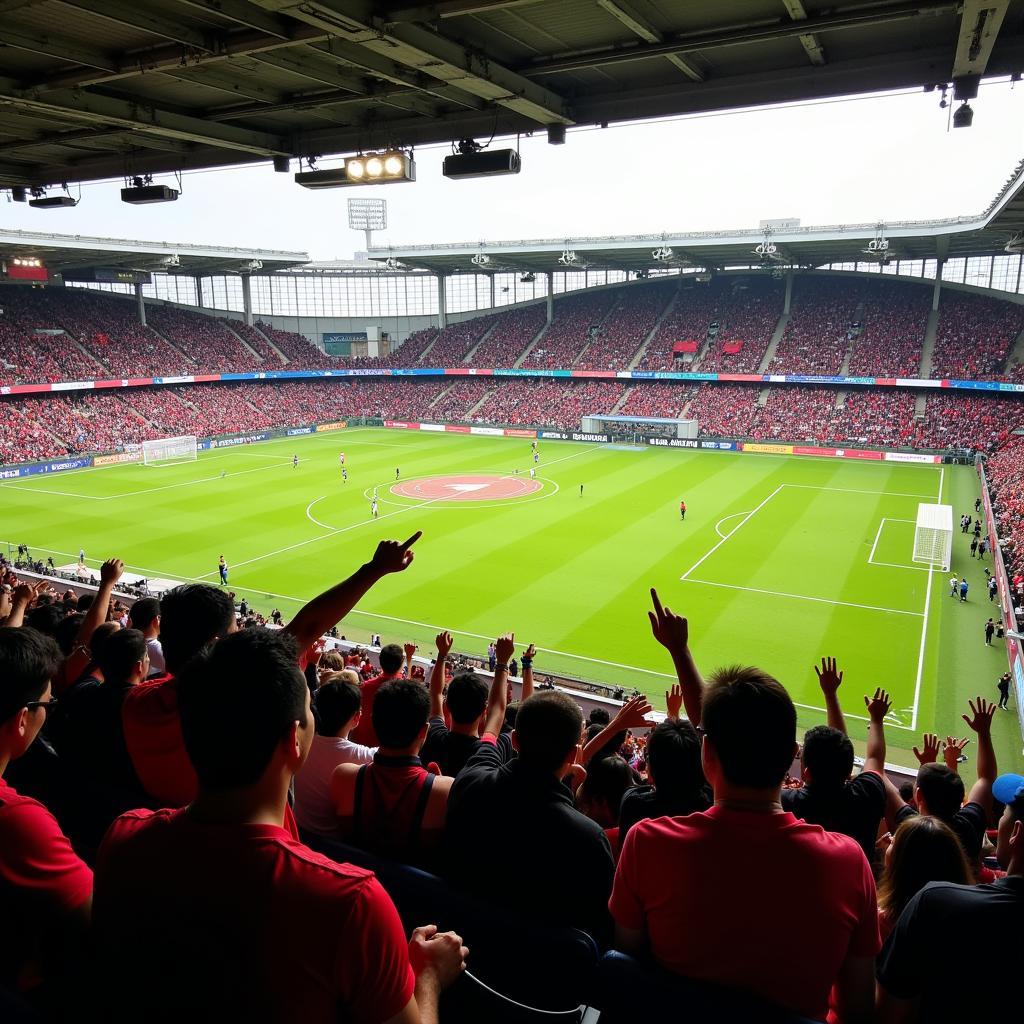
(192, 617)
(391, 658)
(685, 888)
(249, 922)
(45, 889)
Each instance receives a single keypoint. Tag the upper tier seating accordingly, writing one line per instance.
(625, 328)
(975, 335)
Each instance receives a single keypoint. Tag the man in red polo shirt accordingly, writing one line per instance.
(192, 617)
(45, 890)
(220, 897)
(745, 894)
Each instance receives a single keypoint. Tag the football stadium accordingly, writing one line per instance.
(475, 610)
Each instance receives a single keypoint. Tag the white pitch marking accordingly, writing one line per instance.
(725, 519)
(739, 526)
(804, 597)
(857, 490)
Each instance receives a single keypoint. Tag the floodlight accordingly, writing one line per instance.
(375, 167)
(392, 164)
(52, 202)
(355, 169)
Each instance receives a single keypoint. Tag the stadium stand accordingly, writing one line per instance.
(875, 418)
(724, 410)
(625, 328)
(820, 329)
(747, 313)
(509, 337)
(794, 414)
(975, 336)
(576, 316)
(667, 400)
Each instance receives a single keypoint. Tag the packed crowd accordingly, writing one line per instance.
(974, 336)
(80, 422)
(1005, 471)
(748, 314)
(626, 327)
(510, 336)
(188, 794)
(577, 319)
(875, 327)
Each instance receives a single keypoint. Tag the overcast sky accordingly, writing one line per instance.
(880, 158)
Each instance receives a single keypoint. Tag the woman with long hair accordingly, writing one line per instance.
(924, 849)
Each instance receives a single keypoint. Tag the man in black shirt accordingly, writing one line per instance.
(938, 963)
(829, 797)
(520, 814)
(677, 783)
(940, 790)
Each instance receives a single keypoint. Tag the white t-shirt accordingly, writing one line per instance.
(313, 808)
(156, 656)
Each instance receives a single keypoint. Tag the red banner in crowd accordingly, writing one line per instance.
(685, 346)
(730, 348)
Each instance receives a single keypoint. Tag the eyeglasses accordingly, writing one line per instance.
(44, 704)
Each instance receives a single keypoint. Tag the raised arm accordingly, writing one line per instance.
(981, 722)
(527, 662)
(24, 594)
(673, 633)
(952, 748)
(830, 679)
(410, 653)
(878, 707)
(443, 640)
(319, 615)
(78, 660)
(632, 715)
(505, 647)
(928, 752)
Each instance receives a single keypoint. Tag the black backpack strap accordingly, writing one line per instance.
(421, 809)
(357, 805)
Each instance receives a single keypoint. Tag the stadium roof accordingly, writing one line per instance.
(94, 89)
(983, 234)
(72, 252)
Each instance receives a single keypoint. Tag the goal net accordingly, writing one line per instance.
(933, 535)
(170, 449)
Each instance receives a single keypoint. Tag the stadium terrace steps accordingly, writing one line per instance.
(467, 359)
(270, 343)
(437, 398)
(476, 405)
(242, 340)
(841, 399)
(769, 355)
(85, 352)
(928, 348)
(170, 344)
(641, 351)
(533, 344)
(426, 351)
(1016, 355)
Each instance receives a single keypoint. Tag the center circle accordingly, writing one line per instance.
(475, 487)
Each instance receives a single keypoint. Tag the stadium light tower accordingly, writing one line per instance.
(368, 215)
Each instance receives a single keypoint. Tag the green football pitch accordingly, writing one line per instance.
(780, 560)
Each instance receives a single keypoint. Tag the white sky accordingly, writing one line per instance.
(880, 158)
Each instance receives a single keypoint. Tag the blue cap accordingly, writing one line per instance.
(1008, 788)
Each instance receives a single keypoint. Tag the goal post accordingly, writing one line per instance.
(933, 535)
(170, 449)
